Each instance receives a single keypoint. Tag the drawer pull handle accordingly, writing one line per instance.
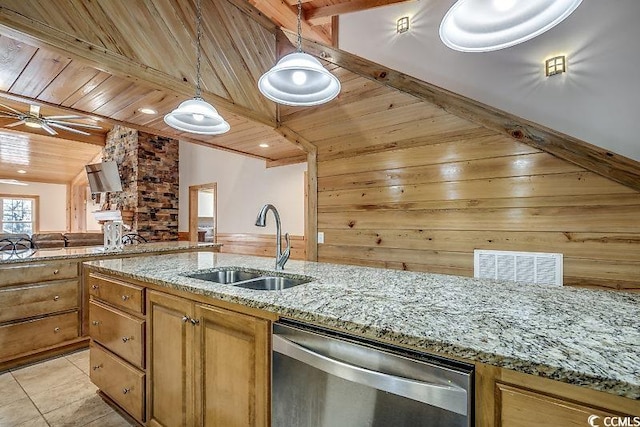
(195, 321)
(125, 297)
(185, 318)
(56, 330)
(126, 339)
(56, 271)
(95, 323)
(56, 298)
(95, 287)
(126, 390)
(96, 367)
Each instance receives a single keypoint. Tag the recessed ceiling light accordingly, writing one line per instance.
(21, 171)
(147, 111)
(263, 145)
(488, 25)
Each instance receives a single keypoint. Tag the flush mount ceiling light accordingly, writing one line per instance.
(402, 25)
(196, 115)
(263, 145)
(488, 25)
(299, 79)
(146, 110)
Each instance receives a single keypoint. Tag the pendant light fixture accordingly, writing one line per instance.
(299, 79)
(196, 115)
(488, 25)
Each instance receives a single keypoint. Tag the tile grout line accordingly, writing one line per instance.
(31, 400)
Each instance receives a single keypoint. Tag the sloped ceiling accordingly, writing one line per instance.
(595, 101)
(110, 58)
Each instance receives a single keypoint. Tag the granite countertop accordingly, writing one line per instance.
(7, 257)
(584, 337)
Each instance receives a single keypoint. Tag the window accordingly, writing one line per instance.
(19, 214)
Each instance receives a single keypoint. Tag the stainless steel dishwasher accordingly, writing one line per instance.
(321, 378)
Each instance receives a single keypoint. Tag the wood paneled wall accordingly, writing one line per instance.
(404, 184)
(259, 244)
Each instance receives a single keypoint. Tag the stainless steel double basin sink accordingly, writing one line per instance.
(251, 279)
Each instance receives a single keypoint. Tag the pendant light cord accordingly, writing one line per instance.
(299, 25)
(198, 54)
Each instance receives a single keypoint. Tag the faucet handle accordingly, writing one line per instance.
(284, 256)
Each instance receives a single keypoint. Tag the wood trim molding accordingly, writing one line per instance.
(613, 166)
(311, 206)
(38, 34)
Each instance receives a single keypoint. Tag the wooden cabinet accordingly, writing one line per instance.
(170, 366)
(506, 398)
(39, 310)
(521, 408)
(217, 367)
(122, 382)
(118, 347)
(120, 332)
(233, 366)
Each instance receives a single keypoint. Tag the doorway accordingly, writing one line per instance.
(203, 211)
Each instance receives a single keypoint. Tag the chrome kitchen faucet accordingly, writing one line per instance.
(261, 221)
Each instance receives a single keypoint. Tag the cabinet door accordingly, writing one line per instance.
(233, 364)
(522, 408)
(170, 364)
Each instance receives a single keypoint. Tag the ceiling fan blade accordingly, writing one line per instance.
(7, 116)
(57, 125)
(64, 117)
(82, 125)
(12, 109)
(48, 128)
(18, 123)
(34, 110)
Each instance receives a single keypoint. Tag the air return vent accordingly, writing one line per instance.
(524, 267)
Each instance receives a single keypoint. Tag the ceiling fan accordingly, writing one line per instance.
(35, 120)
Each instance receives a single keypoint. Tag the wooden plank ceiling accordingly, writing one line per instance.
(108, 59)
(44, 158)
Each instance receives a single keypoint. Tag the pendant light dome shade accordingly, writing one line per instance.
(299, 80)
(488, 25)
(197, 116)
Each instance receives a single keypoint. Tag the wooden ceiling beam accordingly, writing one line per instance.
(37, 34)
(142, 128)
(322, 15)
(286, 17)
(613, 166)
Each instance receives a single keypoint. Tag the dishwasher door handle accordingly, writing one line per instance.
(449, 397)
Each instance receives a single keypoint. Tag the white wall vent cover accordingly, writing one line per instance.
(524, 267)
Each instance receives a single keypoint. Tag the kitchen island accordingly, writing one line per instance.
(581, 337)
(43, 308)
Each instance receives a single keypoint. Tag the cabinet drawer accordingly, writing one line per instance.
(32, 335)
(121, 294)
(19, 302)
(119, 332)
(32, 272)
(119, 380)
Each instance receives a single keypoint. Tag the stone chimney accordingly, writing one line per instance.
(148, 166)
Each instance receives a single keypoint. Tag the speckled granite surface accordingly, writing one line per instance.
(579, 336)
(7, 257)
